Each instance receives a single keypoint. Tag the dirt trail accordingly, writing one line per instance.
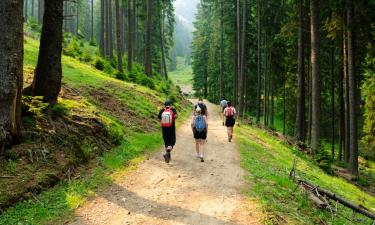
(185, 191)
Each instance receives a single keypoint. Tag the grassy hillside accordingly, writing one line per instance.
(269, 160)
(101, 126)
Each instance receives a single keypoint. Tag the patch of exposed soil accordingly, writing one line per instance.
(128, 117)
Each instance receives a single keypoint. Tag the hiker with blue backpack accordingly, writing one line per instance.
(167, 117)
(199, 126)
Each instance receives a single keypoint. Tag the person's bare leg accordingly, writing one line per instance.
(201, 149)
(228, 132)
(197, 146)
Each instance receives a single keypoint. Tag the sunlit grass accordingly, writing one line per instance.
(269, 161)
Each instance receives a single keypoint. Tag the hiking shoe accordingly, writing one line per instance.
(202, 160)
(167, 157)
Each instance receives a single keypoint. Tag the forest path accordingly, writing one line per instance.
(185, 191)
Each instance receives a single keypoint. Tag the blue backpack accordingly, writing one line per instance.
(200, 123)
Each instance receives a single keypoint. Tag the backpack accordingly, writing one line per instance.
(199, 123)
(229, 112)
(167, 117)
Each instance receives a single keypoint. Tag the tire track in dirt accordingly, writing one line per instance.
(184, 191)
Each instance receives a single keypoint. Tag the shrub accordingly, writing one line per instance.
(73, 49)
(324, 160)
(60, 110)
(99, 64)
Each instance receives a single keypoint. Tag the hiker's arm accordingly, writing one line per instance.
(175, 113)
(192, 124)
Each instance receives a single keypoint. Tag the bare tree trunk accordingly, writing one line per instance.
(11, 74)
(238, 41)
(221, 49)
(353, 161)
(259, 84)
(130, 34)
(243, 60)
(332, 102)
(342, 108)
(310, 101)
(164, 63)
(40, 11)
(102, 30)
(92, 20)
(315, 66)
(148, 55)
(300, 118)
(32, 8)
(48, 72)
(26, 10)
(118, 36)
(110, 29)
(77, 17)
(284, 106)
(346, 96)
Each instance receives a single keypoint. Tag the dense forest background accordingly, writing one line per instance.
(304, 68)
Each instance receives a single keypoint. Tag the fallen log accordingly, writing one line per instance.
(7, 177)
(357, 208)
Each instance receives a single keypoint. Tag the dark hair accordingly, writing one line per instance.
(168, 103)
(200, 99)
(229, 104)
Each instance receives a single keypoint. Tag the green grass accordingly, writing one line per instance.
(268, 162)
(183, 75)
(57, 204)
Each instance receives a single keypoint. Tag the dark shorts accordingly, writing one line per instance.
(200, 135)
(169, 136)
(229, 122)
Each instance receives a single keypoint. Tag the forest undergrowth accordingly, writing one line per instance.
(269, 160)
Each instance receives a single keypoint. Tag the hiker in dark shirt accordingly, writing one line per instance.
(167, 117)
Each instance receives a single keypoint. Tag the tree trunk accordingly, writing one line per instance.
(48, 74)
(300, 118)
(118, 37)
(221, 50)
(92, 20)
(40, 11)
(315, 74)
(32, 8)
(353, 161)
(130, 34)
(284, 106)
(148, 55)
(102, 24)
(238, 33)
(342, 109)
(243, 60)
(11, 74)
(259, 83)
(110, 29)
(77, 17)
(164, 63)
(332, 102)
(310, 101)
(346, 96)
(26, 10)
